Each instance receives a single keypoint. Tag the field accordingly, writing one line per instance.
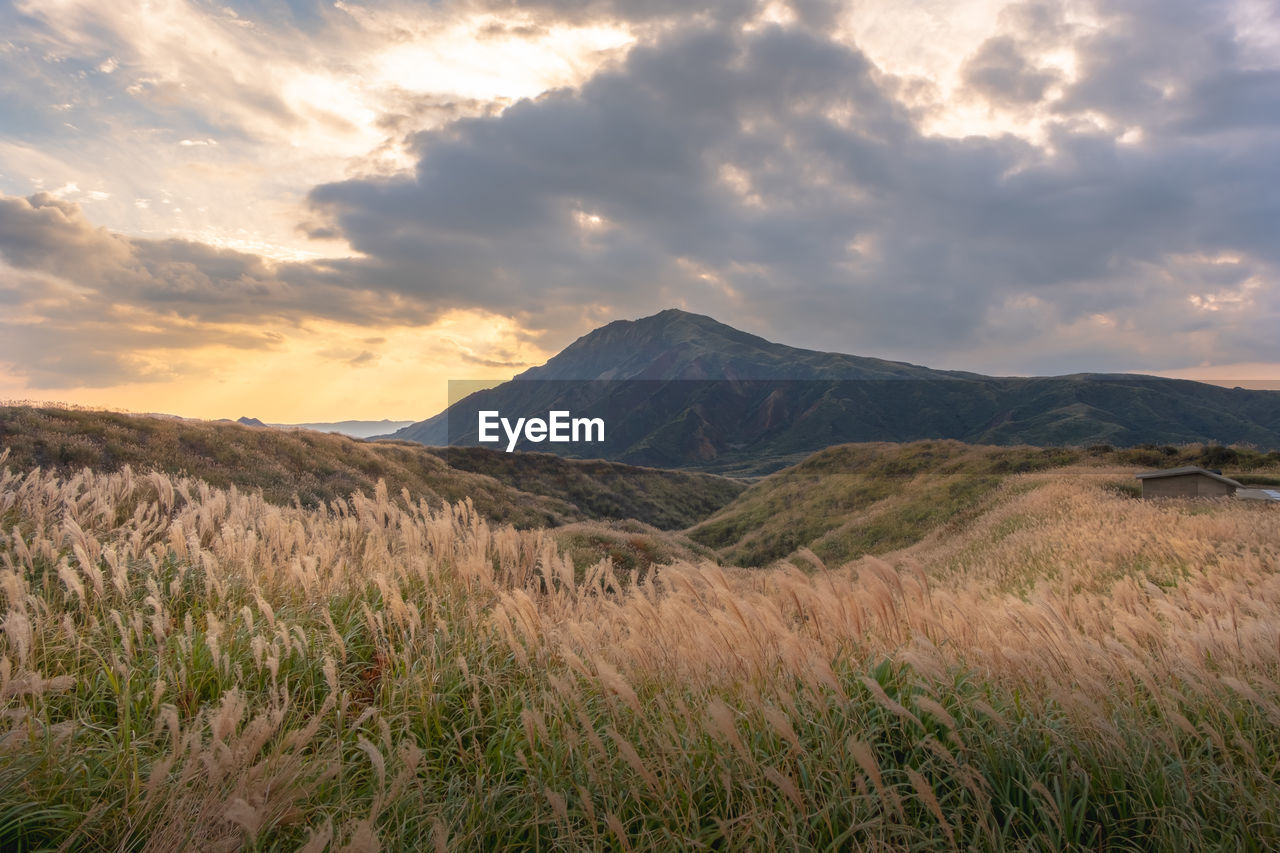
(852, 500)
(183, 666)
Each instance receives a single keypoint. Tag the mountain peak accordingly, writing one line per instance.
(676, 344)
(666, 323)
(673, 315)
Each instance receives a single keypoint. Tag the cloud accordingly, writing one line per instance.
(1002, 73)
(190, 281)
(224, 117)
(770, 177)
(91, 308)
(59, 334)
(770, 174)
(349, 357)
(468, 358)
(635, 11)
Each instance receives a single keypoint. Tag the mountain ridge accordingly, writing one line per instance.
(683, 390)
(676, 345)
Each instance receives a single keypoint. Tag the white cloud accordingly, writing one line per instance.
(292, 105)
(1033, 186)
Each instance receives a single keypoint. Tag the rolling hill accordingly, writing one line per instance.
(529, 490)
(192, 667)
(851, 500)
(680, 390)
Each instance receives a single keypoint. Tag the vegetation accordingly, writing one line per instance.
(603, 490)
(184, 666)
(632, 548)
(856, 499)
(315, 468)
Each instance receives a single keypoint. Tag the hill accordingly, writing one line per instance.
(851, 500)
(527, 490)
(186, 667)
(679, 390)
(664, 499)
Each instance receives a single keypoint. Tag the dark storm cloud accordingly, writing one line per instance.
(770, 177)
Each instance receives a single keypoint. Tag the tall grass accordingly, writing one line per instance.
(313, 468)
(852, 500)
(187, 667)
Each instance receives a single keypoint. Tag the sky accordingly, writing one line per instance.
(308, 211)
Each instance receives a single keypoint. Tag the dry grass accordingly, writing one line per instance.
(852, 500)
(187, 667)
(313, 468)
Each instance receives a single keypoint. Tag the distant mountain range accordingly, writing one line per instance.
(682, 390)
(355, 429)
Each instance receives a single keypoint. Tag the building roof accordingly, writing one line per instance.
(1185, 470)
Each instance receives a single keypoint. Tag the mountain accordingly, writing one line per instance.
(680, 390)
(677, 345)
(355, 429)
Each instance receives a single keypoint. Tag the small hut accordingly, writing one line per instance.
(1186, 482)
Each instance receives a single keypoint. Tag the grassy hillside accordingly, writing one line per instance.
(526, 489)
(665, 499)
(858, 499)
(183, 667)
(633, 549)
